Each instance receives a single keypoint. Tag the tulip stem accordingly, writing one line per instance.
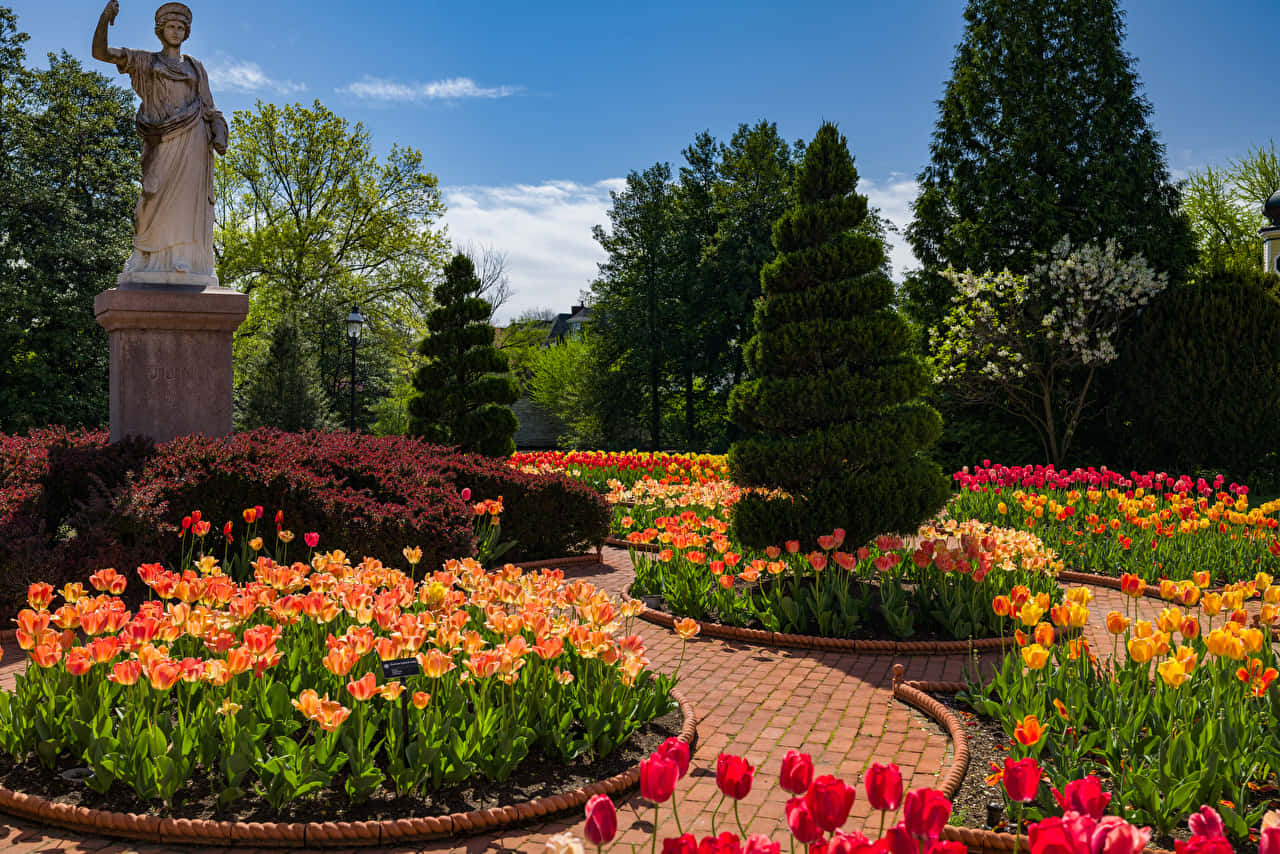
(738, 819)
(653, 847)
(715, 812)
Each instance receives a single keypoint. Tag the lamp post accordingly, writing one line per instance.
(355, 322)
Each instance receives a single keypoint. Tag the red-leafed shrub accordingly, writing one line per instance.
(70, 503)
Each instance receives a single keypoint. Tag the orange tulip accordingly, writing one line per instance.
(164, 674)
(364, 687)
(1028, 731)
(126, 672)
(420, 699)
(1117, 622)
(1043, 634)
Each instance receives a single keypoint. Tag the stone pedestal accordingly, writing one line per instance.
(1271, 249)
(170, 357)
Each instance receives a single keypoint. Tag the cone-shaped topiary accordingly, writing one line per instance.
(463, 391)
(834, 394)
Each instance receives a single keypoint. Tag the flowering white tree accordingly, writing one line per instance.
(1032, 344)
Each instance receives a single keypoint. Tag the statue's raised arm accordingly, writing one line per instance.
(101, 51)
(181, 129)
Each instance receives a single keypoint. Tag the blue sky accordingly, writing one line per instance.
(530, 113)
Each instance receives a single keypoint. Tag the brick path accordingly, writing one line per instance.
(753, 701)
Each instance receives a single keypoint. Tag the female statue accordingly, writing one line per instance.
(180, 130)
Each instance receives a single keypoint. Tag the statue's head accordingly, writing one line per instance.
(169, 19)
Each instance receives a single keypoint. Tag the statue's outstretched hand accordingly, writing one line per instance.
(109, 13)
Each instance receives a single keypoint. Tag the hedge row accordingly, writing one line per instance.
(71, 503)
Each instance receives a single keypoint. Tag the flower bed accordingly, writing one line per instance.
(599, 467)
(275, 686)
(941, 583)
(1152, 525)
(1181, 713)
(71, 503)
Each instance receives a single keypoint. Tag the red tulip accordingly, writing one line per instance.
(852, 843)
(884, 786)
(602, 820)
(1197, 845)
(312, 539)
(1269, 843)
(725, 843)
(733, 776)
(801, 822)
(1207, 822)
(1085, 797)
(898, 841)
(829, 800)
(924, 812)
(658, 776)
(1021, 779)
(678, 752)
(797, 772)
(1052, 836)
(1114, 835)
(760, 844)
(686, 844)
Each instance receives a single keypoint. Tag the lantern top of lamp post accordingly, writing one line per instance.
(355, 321)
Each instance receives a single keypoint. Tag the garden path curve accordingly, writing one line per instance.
(754, 701)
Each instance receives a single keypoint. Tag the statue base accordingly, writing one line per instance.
(151, 280)
(170, 356)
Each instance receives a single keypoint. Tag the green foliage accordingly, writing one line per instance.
(1224, 207)
(68, 185)
(1200, 388)
(1042, 133)
(463, 391)
(283, 389)
(565, 383)
(310, 222)
(834, 393)
(1032, 345)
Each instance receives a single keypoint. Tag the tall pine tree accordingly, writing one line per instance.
(834, 394)
(463, 392)
(1042, 133)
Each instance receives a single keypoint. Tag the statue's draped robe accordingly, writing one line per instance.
(173, 224)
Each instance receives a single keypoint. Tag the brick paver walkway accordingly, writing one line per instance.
(753, 701)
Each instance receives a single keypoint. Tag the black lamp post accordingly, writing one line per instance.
(355, 321)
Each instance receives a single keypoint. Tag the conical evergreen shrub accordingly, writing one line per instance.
(834, 396)
(283, 388)
(463, 391)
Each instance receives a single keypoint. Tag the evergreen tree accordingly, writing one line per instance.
(283, 389)
(632, 303)
(464, 391)
(68, 185)
(754, 189)
(1042, 134)
(834, 394)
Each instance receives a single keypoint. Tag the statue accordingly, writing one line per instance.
(180, 130)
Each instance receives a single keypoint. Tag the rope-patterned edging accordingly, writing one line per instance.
(872, 647)
(330, 833)
(556, 562)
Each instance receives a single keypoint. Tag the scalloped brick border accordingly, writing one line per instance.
(872, 647)
(917, 694)
(329, 833)
(557, 562)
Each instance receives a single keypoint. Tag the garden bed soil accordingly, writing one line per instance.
(538, 776)
(987, 745)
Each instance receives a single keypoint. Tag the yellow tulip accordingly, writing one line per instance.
(1035, 656)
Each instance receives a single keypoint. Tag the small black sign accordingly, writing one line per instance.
(400, 667)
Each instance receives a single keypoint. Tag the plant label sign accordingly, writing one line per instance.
(398, 668)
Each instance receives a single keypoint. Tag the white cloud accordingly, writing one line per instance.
(377, 89)
(545, 231)
(228, 73)
(894, 197)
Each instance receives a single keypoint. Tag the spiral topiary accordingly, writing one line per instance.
(463, 392)
(833, 399)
